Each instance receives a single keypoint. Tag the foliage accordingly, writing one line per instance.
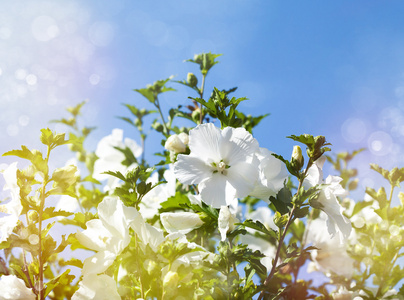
(155, 232)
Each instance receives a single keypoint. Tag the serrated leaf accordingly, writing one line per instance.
(64, 279)
(50, 212)
(257, 225)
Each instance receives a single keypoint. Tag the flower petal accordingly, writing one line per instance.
(191, 170)
(237, 145)
(205, 142)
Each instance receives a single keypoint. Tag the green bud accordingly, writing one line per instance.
(150, 266)
(158, 127)
(192, 80)
(81, 156)
(280, 220)
(353, 184)
(196, 114)
(33, 216)
(401, 197)
(141, 188)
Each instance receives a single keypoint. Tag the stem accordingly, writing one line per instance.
(391, 195)
(283, 235)
(157, 104)
(40, 212)
(143, 147)
(201, 95)
(278, 250)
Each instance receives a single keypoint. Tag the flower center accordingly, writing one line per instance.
(220, 167)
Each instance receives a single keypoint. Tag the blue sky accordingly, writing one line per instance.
(334, 68)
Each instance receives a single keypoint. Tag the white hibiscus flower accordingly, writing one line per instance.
(110, 158)
(151, 202)
(272, 175)
(222, 162)
(97, 287)
(14, 288)
(332, 255)
(108, 235)
(13, 208)
(327, 200)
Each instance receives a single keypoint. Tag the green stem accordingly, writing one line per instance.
(40, 212)
(283, 235)
(201, 96)
(391, 195)
(143, 147)
(278, 250)
(157, 104)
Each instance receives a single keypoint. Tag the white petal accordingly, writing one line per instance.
(110, 211)
(98, 263)
(7, 224)
(226, 221)
(182, 222)
(205, 141)
(237, 145)
(14, 288)
(217, 191)
(243, 176)
(97, 287)
(106, 145)
(133, 146)
(191, 170)
(95, 237)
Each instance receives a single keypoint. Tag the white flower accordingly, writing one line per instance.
(226, 221)
(151, 202)
(110, 159)
(272, 175)
(177, 143)
(13, 208)
(182, 222)
(108, 235)
(13, 288)
(222, 162)
(327, 199)
(148, 234)
(332, 255)
(97, 287)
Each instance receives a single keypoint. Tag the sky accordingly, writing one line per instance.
(332, 68)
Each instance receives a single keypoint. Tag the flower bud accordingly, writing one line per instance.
(196, 115)
(192, 80)
(175, 144)
(141, 188)
(297, 159)
(170, 281)
(184, 138)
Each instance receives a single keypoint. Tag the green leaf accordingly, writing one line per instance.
(257, 225)
(52, 140)
(75, 110)
(282, 201)
(63, 279)
(34, 156)
(205, 61)
(50, 212)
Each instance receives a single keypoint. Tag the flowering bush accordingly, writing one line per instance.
(219, 217)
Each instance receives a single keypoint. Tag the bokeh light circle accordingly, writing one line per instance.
(380, 143)
(44, 28)
(353, 130)
(101, 33)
